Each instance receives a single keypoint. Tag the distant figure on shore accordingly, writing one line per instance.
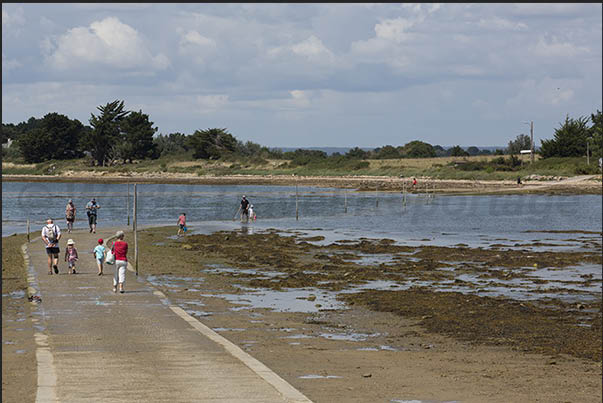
(99, 255)
(91, 210)
(51, 233)
(70, 215)
(519, 180)
(182, 224)
(244, 209)
(120, 250)
(71, 256)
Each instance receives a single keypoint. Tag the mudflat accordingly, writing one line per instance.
(583, 184)
(368, 320)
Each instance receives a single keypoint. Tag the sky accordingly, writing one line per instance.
(310, 74)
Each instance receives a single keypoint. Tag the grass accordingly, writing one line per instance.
(468, 168)
(14, 275)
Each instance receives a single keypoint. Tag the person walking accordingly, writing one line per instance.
(91, 210)
(120, 250)
(181, 224)
(51, 233)
(71, 255)
(70, 215)
(99, 255)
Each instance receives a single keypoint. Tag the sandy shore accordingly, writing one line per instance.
(586, 184)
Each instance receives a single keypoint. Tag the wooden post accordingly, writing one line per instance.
(28, 230)
(128, 205)
(345, 201)
(135, 224)
(376, 197)
(404, 194)
(296, 203)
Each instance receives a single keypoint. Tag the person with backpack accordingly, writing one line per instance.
(91, 208)
(51, 233)
(120, 251)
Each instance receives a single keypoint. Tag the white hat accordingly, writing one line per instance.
(70, 242)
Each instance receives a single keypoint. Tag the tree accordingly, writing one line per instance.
(356, 153)
(596, 134)
(569, 139)
(521, 142)
(473, 150)
(173, 143)
(439, 151)
(137, 132)
(212, 143)
(387, 152)
(457, 151)
(54, 137)
(418, 149)
(106, 130)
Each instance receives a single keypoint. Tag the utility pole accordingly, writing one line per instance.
(532, 141)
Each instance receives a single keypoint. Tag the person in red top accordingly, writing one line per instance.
(120, 250)
(181, 224)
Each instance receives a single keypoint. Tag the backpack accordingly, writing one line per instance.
(52, 234)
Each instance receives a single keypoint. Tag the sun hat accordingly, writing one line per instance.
(70, 242)
(119, 234)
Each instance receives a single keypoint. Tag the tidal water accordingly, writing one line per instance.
(335, 214)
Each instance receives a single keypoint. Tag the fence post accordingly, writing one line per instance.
(345, 200)
(135, 224)
(376, 196)
(128, 205)
(296, 203)
(28, 230)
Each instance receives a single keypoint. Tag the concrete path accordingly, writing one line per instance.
(96, 345)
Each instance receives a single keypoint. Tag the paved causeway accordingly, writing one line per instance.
(96, 345)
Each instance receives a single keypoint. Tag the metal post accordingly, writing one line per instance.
(135, 224)
(296, 203)
(532, 141)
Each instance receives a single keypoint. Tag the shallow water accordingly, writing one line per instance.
(446, 220)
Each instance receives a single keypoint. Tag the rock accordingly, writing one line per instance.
(312, 298)
(367, 375)
(187, 246)
(580, 306)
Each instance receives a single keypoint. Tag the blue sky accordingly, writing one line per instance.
(313, 74)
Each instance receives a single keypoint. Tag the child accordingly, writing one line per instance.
(182, 224)
(99, 253)
(251, 212)
(71, 255)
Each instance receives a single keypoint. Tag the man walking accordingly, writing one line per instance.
(91, 208)
(51, 233)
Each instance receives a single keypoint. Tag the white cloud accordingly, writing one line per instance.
(12, 19)
(107, 42)
(311, 49)
(502, 24)
(208, 103)
(554, 48)
(198, 47)
(9, 64)
(395, 29)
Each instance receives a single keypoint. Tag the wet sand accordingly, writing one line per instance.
(341, 324)
(586, 184)
(368, 320)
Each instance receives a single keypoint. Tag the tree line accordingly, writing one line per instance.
(116, 135)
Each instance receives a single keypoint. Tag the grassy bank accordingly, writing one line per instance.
(14, 276)
(468, 168)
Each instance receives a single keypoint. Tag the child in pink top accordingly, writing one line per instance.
(71, 255)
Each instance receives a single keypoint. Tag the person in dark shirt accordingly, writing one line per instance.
(244, 208)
